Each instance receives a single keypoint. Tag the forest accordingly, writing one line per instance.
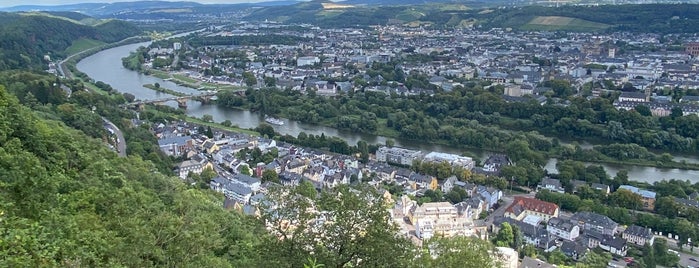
(25, 39)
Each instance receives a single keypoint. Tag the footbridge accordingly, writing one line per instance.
(204, 97)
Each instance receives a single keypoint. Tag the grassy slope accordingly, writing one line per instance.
(550, 23)
(82, 44)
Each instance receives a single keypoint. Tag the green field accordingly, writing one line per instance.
(82, 44)
(556, 23)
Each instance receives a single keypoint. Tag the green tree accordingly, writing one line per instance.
(505, 236)
(456, 251)
(270, 175)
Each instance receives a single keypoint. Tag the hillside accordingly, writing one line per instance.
(658, 18)
(25, 39)
(67, 201)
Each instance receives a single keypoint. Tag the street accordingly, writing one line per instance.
(120, 141)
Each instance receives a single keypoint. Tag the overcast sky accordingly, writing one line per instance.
(10, 3)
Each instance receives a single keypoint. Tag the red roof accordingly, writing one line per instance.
(522, 203)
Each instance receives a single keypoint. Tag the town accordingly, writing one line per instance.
(648, 70)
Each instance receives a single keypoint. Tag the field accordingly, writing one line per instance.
(553, 23)
(82, 44)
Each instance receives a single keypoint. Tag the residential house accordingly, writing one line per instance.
(529, 262)
(563, 229)
(532, 234)
(395, 155)
(184, 168)
(175, 146)
(422, 181)
(210, 147)
(448, 184)
(596, 222)
(239, 192)
(440, 218)
(601, 187)
(251, 182)
(490, 195)
(507, 257)
(574, 250)
(638, 235)
(524, 206)
(614, 245)
(553, 185)
(648, 197)
(287, 178)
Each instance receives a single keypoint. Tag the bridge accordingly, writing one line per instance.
(204, 97)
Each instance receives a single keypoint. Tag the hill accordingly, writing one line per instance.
(658, 18)
(26, 38)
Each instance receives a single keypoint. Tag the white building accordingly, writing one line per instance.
(397, 155)
(454, 160)
(306, 61)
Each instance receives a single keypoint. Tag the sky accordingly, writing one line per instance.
(11, 3)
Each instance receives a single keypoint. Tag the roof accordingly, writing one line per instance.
(174, 140)
(246, 179)
(528, 262)
(591, 218)
(639, 231)
(643, 193)
(532, 204)
(561, 224)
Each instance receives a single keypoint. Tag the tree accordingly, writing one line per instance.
(209, 133)
(245, 170)
(249, 79)
(593, 260)
(227, 123)
(207, 118)
(505, 236)
(627, 199)
(458, 251)
(345, 229)
(667, 207)
(156, 85)
(306, 188)
(270, 175)
(557, 257)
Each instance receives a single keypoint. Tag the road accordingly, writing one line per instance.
(120, 142)
(685, 258)
(507, 201)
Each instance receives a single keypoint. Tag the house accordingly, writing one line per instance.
(574, 250)
(493, 164)
(439, 218)
(210, 146)
(423, 181)
(563, 229)
(596, 222)
(252, 183)
(233, 190)
(647, 197)
(507, 257)
(175, 146)
(490, 195)
(287, 178)
(524, 206)
(601, 187)
(638, 235)
(553, 185)
(614, 245)
(395, 155)
(448, 184)
(184, 168)
(532, 234)
(529, 262)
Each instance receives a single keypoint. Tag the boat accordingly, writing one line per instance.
(274, 121)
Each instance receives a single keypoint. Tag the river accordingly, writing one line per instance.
(106, 66)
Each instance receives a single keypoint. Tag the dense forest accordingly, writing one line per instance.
(25, 39)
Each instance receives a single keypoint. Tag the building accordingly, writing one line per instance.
(638, 235)
(614, 245)
(440, 218)
(250, 182)
(453, 160)
(633, 97)
(525, 206)
(184, 168)
(306, 61)
(395, 155)
(175, 146)
(507, 257)
(647, 197)
(692, 49)
(563, 229)
(552, 185)
(176, 45)
(233, 190)
(529, 262)
(596, 222)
